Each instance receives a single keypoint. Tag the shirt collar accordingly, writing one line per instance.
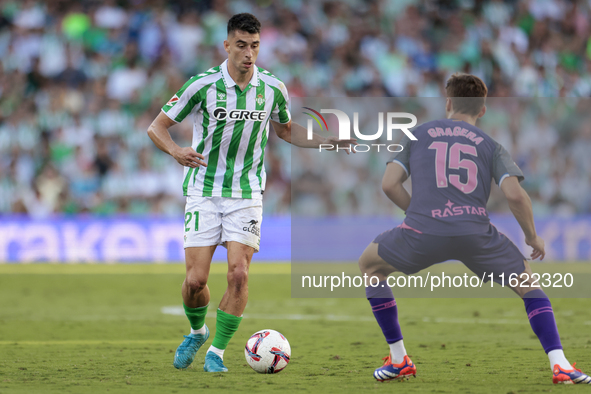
(229, 82)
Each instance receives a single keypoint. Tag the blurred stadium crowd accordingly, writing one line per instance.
(80, 82)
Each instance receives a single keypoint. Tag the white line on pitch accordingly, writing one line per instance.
(179, 311)
(472, 321)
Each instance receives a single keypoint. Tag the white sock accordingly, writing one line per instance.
(199, 331)
(557, 357)
(397, 352)
(219, 352)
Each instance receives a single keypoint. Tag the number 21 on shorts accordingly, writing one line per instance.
(188, 217)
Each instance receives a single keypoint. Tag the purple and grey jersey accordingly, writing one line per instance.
(453, 164)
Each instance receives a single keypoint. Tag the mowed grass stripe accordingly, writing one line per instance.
(116, 269)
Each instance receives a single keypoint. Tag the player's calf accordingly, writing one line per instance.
(229, 313)
(542, 321)
(194, 290)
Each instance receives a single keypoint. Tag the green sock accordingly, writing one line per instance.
(196, 316)
(225, 327)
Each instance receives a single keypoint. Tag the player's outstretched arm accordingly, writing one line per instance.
(520, 205)
(392, 185)
(158, 133)
(298, 135)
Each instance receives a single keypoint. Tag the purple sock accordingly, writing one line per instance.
(384, 309)
(541, 317)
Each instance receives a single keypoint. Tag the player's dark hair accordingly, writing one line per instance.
(244, 22)
(467, 93)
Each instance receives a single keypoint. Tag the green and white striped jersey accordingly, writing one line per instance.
(230, 129)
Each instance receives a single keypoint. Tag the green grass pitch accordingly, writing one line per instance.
(101, 328)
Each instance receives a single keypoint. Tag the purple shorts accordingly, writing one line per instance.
(410, 251)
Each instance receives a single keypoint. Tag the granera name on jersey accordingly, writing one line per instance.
(221, 113)
(450, 210)
(456, 132)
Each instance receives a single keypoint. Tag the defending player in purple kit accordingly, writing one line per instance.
(453, 163)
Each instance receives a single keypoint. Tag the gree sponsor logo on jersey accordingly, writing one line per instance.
(173, 100)
(221, 113)
(344, 131)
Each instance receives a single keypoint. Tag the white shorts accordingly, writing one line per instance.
(216, 220)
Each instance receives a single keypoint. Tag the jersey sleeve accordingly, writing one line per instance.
(504, 166)
(402, 158)
(182, 103)
(281, 106)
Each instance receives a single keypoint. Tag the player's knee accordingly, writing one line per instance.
(532, 293)
(196, 284)
(238, 278)
(523, 290)
(525, 287)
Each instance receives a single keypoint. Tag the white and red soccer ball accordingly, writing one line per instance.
(267, 351)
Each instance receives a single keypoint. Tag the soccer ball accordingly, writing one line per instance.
(267, 351)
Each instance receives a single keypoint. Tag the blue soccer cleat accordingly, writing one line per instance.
(213, 363)
(572, 376)
(391, 371)
(185, 353)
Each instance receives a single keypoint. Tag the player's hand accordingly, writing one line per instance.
(537, 244)
(187, 157)
(335, 142)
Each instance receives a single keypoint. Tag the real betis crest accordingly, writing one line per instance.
(260, 99)
(173, 101)
(221, 96)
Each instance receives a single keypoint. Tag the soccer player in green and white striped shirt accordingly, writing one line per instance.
(224, 180)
